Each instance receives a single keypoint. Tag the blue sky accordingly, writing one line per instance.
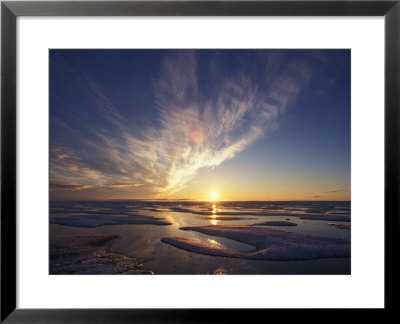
(248, 124)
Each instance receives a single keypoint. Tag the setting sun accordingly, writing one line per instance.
(214, 196)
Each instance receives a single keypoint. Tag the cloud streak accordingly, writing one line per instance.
(196, 128)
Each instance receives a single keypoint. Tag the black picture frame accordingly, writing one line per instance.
(10, 10)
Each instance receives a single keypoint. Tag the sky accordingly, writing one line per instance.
(194, 124)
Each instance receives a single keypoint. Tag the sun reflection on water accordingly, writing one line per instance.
(213, 242)
(214, 214)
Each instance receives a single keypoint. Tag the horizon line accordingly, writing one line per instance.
(196, 200)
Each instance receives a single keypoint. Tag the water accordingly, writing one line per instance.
(143, 241)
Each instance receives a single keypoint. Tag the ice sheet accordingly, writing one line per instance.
(271, 244)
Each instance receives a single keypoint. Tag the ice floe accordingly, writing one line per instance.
(327, 217)
(102, 219)
(271, 244)
(275, 223)
(341, 226)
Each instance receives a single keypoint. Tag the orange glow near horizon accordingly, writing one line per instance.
(231, 192)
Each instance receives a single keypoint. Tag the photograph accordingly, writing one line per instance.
(199, 161)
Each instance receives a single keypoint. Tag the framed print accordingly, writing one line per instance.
(160, 159)
(218, 116)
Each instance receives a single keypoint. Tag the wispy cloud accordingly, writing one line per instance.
(333, 191)
(326, 194)
(196, 128)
